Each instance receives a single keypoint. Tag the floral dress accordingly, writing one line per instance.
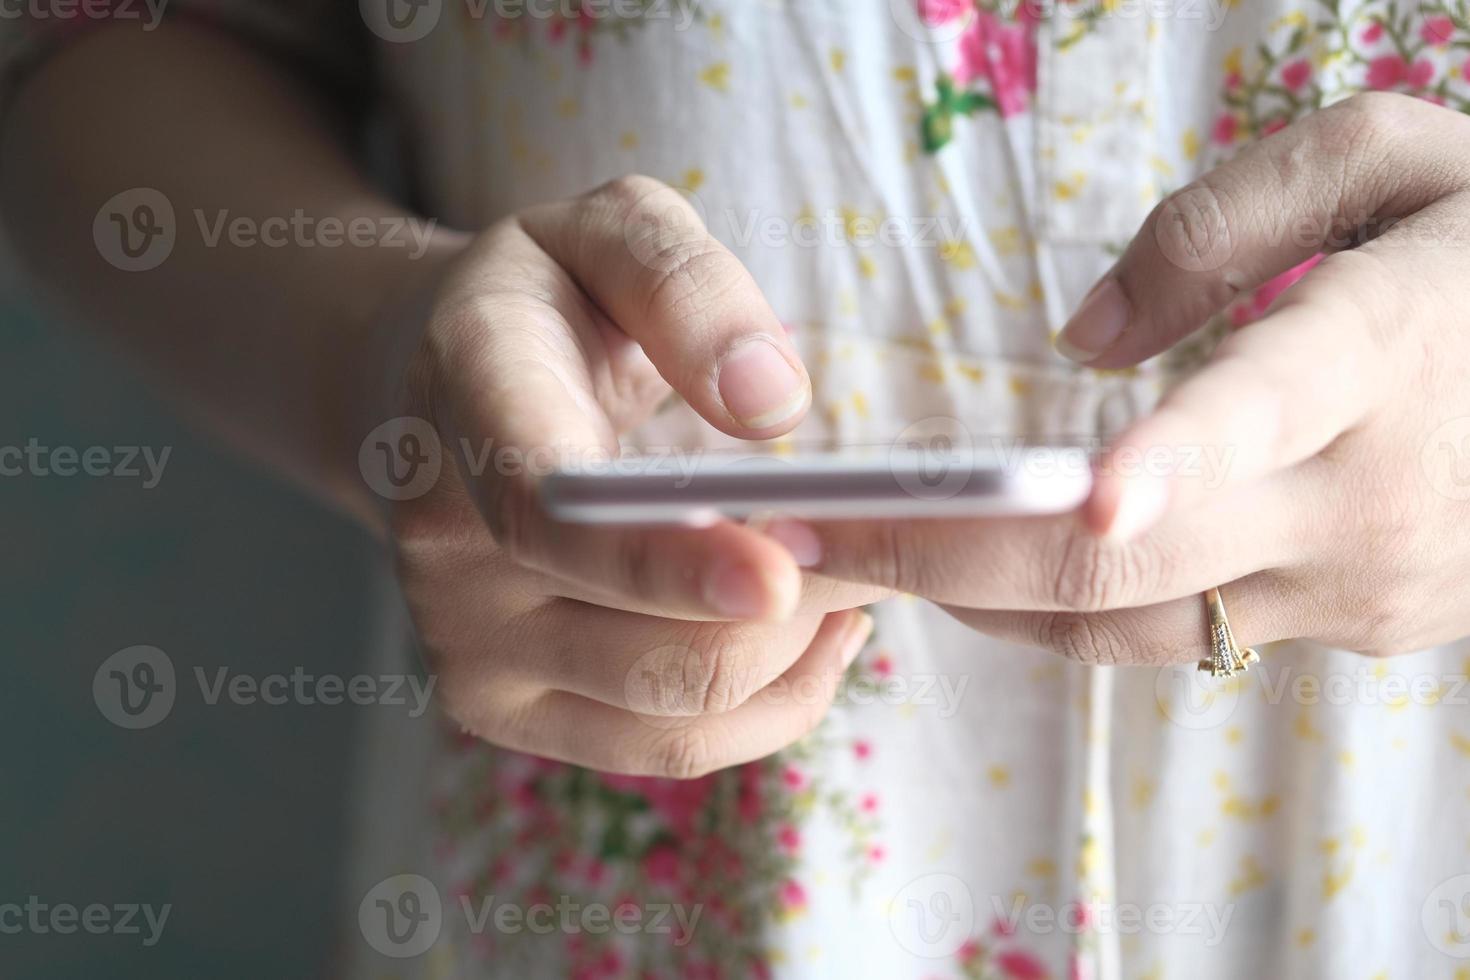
(924, 189)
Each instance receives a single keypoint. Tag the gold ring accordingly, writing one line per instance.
(1226, 658)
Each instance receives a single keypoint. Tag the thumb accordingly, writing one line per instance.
(643, 255)
(1316, 186)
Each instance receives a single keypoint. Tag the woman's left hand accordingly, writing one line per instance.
(1343, 417)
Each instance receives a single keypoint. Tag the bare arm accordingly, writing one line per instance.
(286, 349)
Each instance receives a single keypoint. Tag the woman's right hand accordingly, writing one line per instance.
(668, 652)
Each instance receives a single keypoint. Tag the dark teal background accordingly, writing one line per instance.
(234, 815)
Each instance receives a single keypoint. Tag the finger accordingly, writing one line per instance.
(1055, 563)
(520, 403)
(1262, 608)
(818, 593)
(1272, 394)
(588, 733)
(657, 666)
(644, 256)
(1339, 176)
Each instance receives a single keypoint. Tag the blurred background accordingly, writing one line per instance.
(231, 814)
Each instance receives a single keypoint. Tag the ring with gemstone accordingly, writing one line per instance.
(1226, 658)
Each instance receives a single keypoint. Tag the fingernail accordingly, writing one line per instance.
(798, 538)
(1097, 325)
(857, 638)
(759, 386)
(736, 590)
(1140, 505)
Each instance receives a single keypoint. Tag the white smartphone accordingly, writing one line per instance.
(698, 488)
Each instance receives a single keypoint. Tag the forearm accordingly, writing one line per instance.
(288, 349)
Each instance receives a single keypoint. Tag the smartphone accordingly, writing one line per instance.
(698, 488)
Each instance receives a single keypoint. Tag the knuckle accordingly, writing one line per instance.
(717, 676)
(1344, 127)
(891, 560)
(1193, 228)
(1086, 639)
(510, 512)
(685, 273)
(688, 753)
(1381, 628)
(640, 565)
(621, 194)
(1094, 575)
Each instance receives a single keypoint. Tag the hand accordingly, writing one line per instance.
(666, 652)
(1343, 514)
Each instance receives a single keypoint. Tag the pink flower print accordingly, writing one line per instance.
(792, 895)
(1020, 965)
(1437, 31)
(1004, 55)
(611, 962)
(863, 749)
(1226, 128)
(877, 853)
(1391, 70)
(1233, 81)
(1372, 33)
(677, 802)
(750, 802)
(969, 951)
(1266, 294)
(935, 12)
(1004, 927)
(1080, 915)
(789, 838)
(883, 665)
(1296, 74)
(661, 865)
(1252, 309)
(793, 778)
(868, 803)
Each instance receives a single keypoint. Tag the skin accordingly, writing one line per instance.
(562, 326)
(1343, 516)
(677, 652)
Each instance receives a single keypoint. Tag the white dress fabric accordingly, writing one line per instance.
(970, 808)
